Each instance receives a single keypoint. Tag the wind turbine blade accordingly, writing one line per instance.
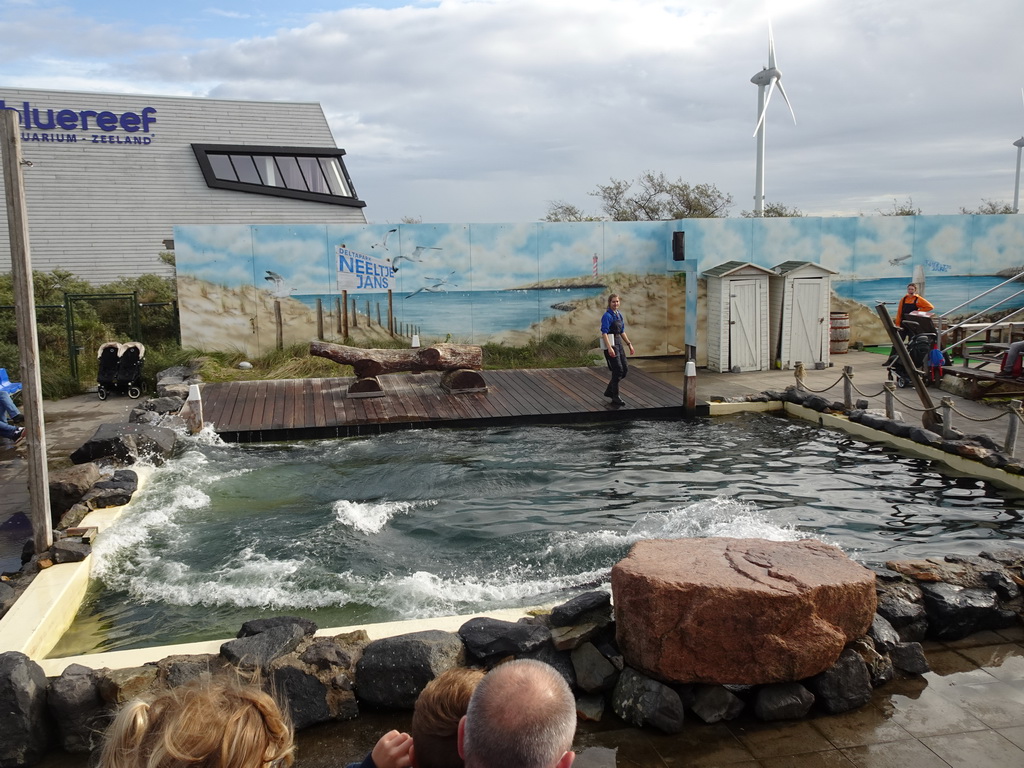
(771, 46)
(764, 111)
(783, 92)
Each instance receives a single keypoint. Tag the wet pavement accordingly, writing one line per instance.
(967, 713)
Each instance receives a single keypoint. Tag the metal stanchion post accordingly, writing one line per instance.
(947, 417)
(690, 388)
(848, 386)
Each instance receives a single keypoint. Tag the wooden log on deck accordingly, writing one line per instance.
(373, 362)
(462, 380)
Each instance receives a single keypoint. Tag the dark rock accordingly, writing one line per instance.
(325, 653)
(608, 648)
(127, 443)
(887, 575)
(986, 442)
(25, 735)
(393, 670)
(578, 610)
(590, 708)
(641, 701)
(880, 667)
(142, 416)
(956, 612)
(897, 428)
(104, 498)
(714, 703)
(68, 486)
(72, 550)
(593, 671)
(258, 651)
(782, 701)
(73, 516)
(123, 479)
(488, 638)
(844, 686)
(909, 657)
(817, 403)
(560, 660)
(255, 626)
(176, 671)
(1008, 557)
(886, 638)
(1004, 587)
(117, 686)
(8, 596)
(570, 638)
(903, 609)
(78, 709)
(925, 437)
(164, 404)
(861, 404)
(304, 695)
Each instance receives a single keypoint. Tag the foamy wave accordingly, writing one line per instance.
(369, 517)
(137, 524)
(717, 517)
(427, 594)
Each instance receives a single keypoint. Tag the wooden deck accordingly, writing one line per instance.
(296, 409)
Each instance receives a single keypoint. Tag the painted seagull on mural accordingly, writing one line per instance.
(899, 259)
(417, 251)
(281, 291)
(384, 243)
(437, 287)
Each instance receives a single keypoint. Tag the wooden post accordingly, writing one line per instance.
(391, 314)
(690, 388)
(344, 315)
(929, 419)
(1010, 446)
(355, 315)
(848, 386)
(890, 403)
(947, 417)
(798, 374)
(369, 322)
(320, 319)
(337, 312)
(279, 322)
(25, 319)
(378, 314)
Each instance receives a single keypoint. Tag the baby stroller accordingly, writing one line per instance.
(120, 369)
(920, 348)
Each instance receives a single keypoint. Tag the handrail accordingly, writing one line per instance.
(986, 293)
(986, 310)
(980, 331)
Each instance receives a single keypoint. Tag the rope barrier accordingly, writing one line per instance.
(958, 412)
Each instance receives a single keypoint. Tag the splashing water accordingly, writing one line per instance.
(429, 523)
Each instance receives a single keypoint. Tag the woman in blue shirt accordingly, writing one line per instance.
(613, 336)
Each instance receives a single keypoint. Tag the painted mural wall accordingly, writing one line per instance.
(240, 286)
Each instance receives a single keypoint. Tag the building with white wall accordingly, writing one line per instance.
(111, 174)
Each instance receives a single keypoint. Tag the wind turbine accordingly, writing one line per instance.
(1019, 144)
(768, 78)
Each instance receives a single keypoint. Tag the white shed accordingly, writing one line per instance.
(800, 297)
(738, 317)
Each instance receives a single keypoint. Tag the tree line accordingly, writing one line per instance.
(654, 197)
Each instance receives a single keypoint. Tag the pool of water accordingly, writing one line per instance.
(437, 522)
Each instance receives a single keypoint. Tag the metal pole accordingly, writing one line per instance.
(848, 386)
(25, 318)
(1019, 144)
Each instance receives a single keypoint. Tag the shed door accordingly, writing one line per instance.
(809, 327)
(744, 325)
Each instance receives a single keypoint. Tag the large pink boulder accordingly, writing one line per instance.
(738, 610)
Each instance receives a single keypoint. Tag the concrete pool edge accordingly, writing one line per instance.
(49, 605)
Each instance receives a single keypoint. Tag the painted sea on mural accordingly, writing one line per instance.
(467, 314)
(945, 292)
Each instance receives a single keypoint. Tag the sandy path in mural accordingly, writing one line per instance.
(216, 317)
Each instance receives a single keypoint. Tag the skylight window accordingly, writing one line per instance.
(303, 173)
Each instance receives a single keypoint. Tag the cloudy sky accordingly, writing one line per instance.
(487, 110)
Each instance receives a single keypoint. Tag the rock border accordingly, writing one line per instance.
(325, 678)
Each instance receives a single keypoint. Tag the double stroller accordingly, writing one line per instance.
(120, 369)
(922, 344)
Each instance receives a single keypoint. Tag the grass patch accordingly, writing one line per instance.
(555, 350)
